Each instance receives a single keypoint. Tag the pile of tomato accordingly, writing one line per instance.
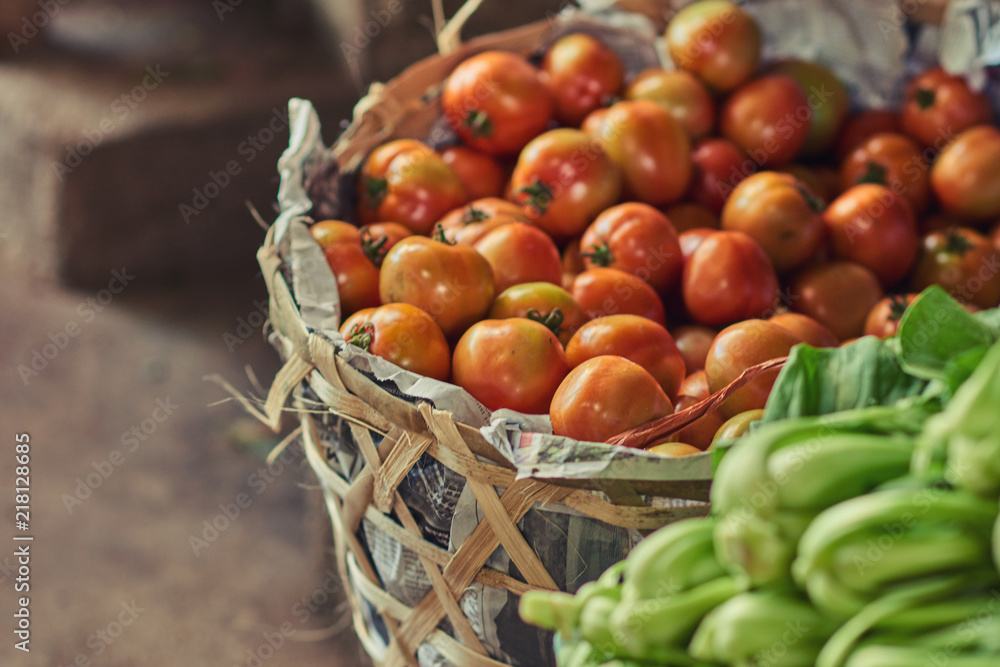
(608, 251)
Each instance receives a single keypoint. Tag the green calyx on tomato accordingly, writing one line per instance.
(815, 203)
(479, 124)
(956, 244)
(599, 254)
(539, 195)
(374, 248)
(898, 303)
(362, 335)
(473, 214)
(874, 173)
(375, 191)
(440, 236)
(924, 98)
(553, 320)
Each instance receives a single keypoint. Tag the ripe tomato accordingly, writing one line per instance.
(700, 432)
(471, 222)
(995, 235)
(861, 126)
(737, 348)
(514, 363)
(404, 335)
(966, 174)
(520, 253)
(827, 97)
(673, 450)
(939, 105)
(715, 40)
(651, 148)
(883, 319)
(637, 339)
(582, 74)
(892, 160)
(838, 295)
(481, 175)
(635, 238)
(378, 238)
(563, 179)
(728, 278)
(686, 215)
(605, 396)
(572, 262)
(963, 262)
(497, 102)
(452, 283)
(780, 214)
(809, 330)
(768, 118)
(938, 222)
(605, 291)
(695, 385)
(549, 304)
(407, 182)
(719, 166)
(680, 93)
(690, 239)
(357, 275)
(871, 226)
(822, 181)
(693, 341)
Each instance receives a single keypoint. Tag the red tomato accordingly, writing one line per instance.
(357, 275)
(452, 283)
(680, 93)
(564, 179)
(938, 222)
(871, 226)
(838, 295)
(963, 262)
(695, 385)
(378, 238)
(549, 304)
(605, 291)
(481, 175)
(686, 215)
(822, 181)
(404, 335)
(635, 238)
(995, 235)
(514, 363)
(572, 262)
(407, 182)
(690, 239)
(637, 339)
(863, 125)
(693, 341)
(520, 253)
(605, 396)
(737, 348)
(827, 97)
(966, 174)
(582, 74)
(809, 330)
(651, 148)
(497, 102)
(728, 278)
(719, 166)
(768, 118)
(716, 40)
(700, 432)
(780, 214)
(471, 222)
(883, 319)
(892, 160)
(940, 105)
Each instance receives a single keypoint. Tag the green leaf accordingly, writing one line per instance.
(990, 318)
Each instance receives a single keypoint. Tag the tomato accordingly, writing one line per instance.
(606, 291)
(572, 262)
(514, 363)
(404, 335)
(717, 41)
(871, 226)
(698, 433)
(780, 214)
(471, 222)
(963, 262)
(966, 174)
(549, 304)
(883, 319)
(939, 105)
(497, 102)
(809, 330)
(690, 239)
(738, 425)
(605, 396)
(737, 348)
(838, 295)
(635, 238)
(651, 148)
(822, 181)
(995, 235)
(728, 278)
(378, 238)
(582, 74)
(938, 222)
(827, 97)
(481, 175)
(637, 339)
(673, 450)
(693, 341)
(563, 179)
(861, 126)
(520, 253)
(768, 118)
(357, 275)
(695, 385)
(407, 182)
(719, 166)
(680, 93)
(686, 215)
(892, 160)
(452, 283)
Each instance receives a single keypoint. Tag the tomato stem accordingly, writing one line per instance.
(874, 173)
(897, 306)
(956, 244)
(362, 335)
(924, 98)
(553, 320)
(599, 254)
(375, 191)
(539, 195)
(374, 248)
(473, 214)
(814, 202)
(440, 236)
(479, 124)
